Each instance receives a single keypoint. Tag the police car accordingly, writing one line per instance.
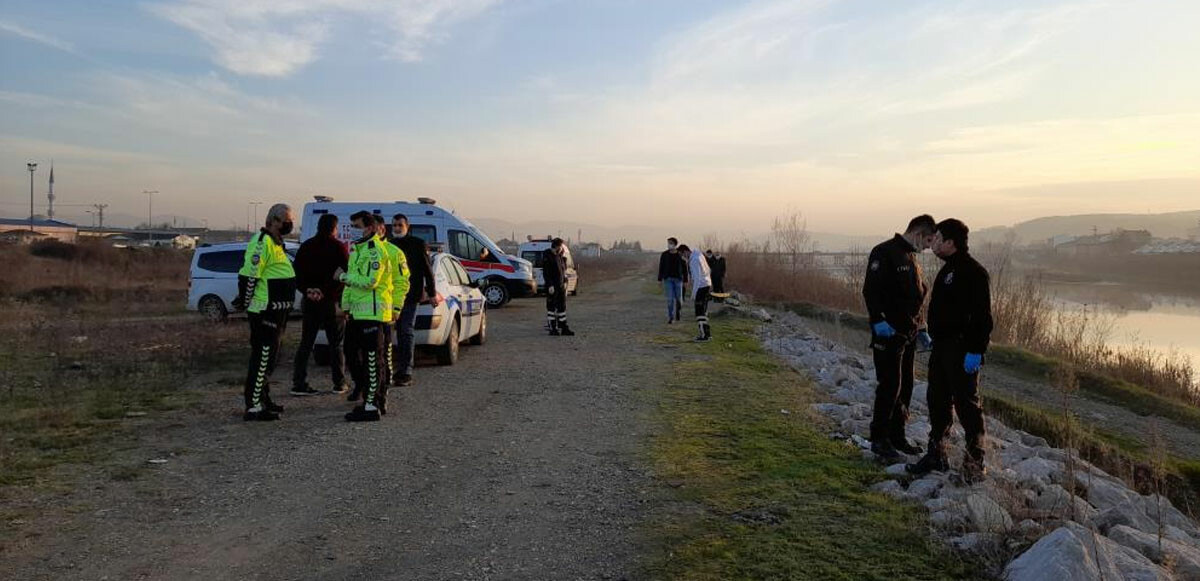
(533, 250)
(501, 277)
(212, 280)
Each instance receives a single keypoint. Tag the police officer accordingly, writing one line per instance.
(421, 285)
(894, 290)
(368, 308)
(554, 273)
(397, 286)
(960, 322)
(266, 290)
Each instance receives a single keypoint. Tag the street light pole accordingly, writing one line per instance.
(256, 205)
(150, 213)
(32, 168)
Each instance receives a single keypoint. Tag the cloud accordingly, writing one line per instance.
(37, 37)
(275, 39)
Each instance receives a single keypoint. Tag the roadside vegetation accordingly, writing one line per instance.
(762, 492)
(782, 270)
(92, 340)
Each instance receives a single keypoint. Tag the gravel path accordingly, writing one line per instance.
(519, 462)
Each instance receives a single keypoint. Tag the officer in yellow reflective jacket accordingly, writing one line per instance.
(267, 291)
(367, 302)
(397, 283)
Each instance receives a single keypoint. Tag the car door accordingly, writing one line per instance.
(471, 299)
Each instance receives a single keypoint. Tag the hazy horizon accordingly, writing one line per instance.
(695, 115)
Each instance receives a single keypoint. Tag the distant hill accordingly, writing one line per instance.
(1168, 225)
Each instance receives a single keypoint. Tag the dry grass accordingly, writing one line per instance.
(610, 266)
(1025, 314)
(78, 353)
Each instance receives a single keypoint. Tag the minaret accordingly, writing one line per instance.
(50, 195)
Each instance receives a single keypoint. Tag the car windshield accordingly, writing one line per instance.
(534, 256)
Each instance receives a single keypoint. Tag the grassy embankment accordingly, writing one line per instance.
(1117, 453)
(92, 340)
(776, 498)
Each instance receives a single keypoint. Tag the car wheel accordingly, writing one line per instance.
(447, 354)
(213, 308)
(481, 336)
(496, 295)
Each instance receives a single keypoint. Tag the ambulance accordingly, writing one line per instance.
(501, 277)
(533, 250)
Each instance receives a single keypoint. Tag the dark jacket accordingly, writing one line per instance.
(717, 264)
(420, 270)
(316, 262)
(554, 269)
(672, 265)
(894, 288)
(960, 311)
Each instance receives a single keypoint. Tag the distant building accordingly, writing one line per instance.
(1114, 243)
(1170, 246)
(587, 249)
(11, 228)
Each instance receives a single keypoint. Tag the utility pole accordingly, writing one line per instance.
(100, 212)
(150, 212)
(32, 168)
(255, 222)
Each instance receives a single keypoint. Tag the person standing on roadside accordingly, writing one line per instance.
(894, 290)
(716, 262)
(395, 284)
(368, 308)
(316, 261)
(960, 322)
(421, 287)
(672, 272)
(554, 273)
(266, 291)
(701, 279)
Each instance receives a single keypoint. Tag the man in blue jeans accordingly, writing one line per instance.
(672, 273)
(421, 287)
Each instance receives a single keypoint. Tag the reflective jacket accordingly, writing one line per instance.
(266, 281)
(364, 298)
(398, 273)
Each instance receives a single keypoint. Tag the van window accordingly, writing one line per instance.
(468, 247)
(222, 261)
(426, 232)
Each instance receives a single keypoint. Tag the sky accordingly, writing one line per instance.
(715, 116)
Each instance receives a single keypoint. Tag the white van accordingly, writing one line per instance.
(499, 276)
(532, 250)
(213, 279)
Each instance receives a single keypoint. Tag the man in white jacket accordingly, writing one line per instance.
(701, 289)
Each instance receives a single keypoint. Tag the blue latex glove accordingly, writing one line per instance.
(972, 362)
(924, 340)
(883, 329)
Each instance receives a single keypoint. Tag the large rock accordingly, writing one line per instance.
(1073, 553)
(1129, 513)
(1103, 493)
(1057, 502)
(889, 487)
(1038, 470)
(986, 515)
(924, 488)
(1185, 560)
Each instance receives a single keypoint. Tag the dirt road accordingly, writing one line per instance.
(519, 462)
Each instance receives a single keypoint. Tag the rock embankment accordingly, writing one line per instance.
(1042, 513)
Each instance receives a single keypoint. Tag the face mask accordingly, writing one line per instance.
(670, 247)
(285, 228)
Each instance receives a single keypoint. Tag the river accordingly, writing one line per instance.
(1161, 321)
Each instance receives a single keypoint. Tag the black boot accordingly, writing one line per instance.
(930, 462)
(262, 415)
(906, 447)
(886, 452)
(554, 328)
(362, 414)
(565, 330)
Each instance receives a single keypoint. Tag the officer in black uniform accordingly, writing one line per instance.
(554, 273)
(894, 289)
(960, 322)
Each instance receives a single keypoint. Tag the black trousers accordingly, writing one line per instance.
(389, 350)
(365, 356)
(326, 315)
(952, 389)
(893, 393)
(556, 306)
(266, 336)
(703, 294)
(718, 283)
